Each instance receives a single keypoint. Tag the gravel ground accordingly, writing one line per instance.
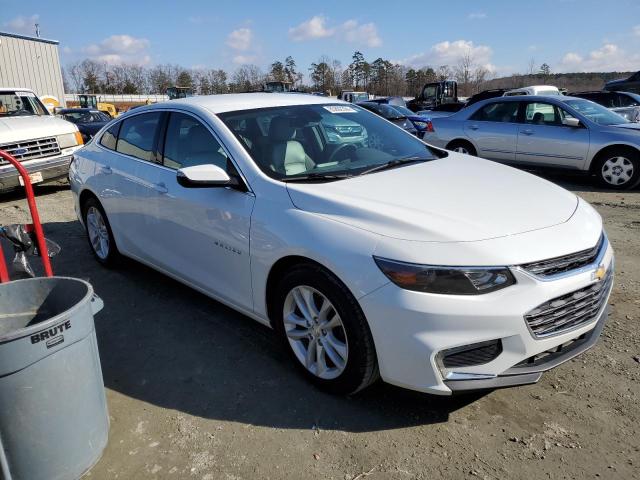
(196, 390)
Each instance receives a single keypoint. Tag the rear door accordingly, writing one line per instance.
(494, 130)
(544, 140)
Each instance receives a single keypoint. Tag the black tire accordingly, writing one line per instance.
(113, 256)
(361, 368)
(460, 145)
(613, 166)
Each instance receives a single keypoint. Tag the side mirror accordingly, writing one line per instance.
(572, 122)
(202, 176)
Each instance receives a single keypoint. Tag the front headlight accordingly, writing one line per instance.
(446, 280)
(70, 139)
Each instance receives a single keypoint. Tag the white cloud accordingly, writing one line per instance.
(311, 29)
(120, 49)
(351, 31)
(609, 57)
(240, 39)
(450, 53)
(21, 24)
(361, 34)
(244, 59)
(477, 16)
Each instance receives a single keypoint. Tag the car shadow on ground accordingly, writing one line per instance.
(168, 345)
(578, 181)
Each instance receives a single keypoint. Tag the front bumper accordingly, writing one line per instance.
(410, 330)
(50, 168)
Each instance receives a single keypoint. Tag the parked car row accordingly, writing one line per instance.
(384, 257)
(546, 131)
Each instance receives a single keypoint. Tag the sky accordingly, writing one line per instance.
(503, 35)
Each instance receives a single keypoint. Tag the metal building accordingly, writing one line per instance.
(31, 62)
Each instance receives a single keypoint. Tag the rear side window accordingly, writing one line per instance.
(137, 136)
(110, 137)
(627, 101)
(189, 143)
(506, 112)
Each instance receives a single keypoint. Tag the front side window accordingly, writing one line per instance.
(506, 112)
(321, 140)
(189, 143)
(18, 104)
(539, 113)
(137, 136)
(110, 137)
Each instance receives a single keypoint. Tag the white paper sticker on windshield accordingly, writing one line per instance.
(340, 109)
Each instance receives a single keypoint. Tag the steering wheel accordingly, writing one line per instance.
(341, 149)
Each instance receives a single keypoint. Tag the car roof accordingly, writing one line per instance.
(71, 110)
(13, 89)
(520, 98)
(246, 101)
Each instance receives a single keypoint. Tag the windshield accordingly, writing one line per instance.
(86, 117)
(548, 92)
(430, 91)
(16, 103)
(596, 113)
(321, 140)
(387, 111)
(404, 110)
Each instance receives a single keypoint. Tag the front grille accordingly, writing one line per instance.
(469, 355)
(32, 149)
(565, 263)
(549, 355)
(569, 311)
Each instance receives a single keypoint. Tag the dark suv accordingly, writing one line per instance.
(626, 104)
(631, 84)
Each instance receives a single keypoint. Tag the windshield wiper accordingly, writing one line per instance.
(317, 177)
(395, 163)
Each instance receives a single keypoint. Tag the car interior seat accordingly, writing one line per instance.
(285, 154)
(538, 119)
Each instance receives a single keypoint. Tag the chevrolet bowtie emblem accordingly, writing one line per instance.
(600, 273)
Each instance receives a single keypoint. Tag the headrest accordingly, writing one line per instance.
(280, 129)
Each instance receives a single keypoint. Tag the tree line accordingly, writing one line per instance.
(379, 76)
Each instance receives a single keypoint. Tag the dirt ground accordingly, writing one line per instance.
(196, 390)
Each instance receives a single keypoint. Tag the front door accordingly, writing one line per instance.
(543, 139)
(200, 235)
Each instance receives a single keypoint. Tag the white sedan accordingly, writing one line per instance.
(384, 257)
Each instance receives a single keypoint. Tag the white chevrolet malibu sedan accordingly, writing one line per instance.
(375, 257)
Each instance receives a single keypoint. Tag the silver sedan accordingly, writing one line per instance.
(560, 132)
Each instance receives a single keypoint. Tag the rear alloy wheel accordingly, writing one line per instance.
(99, 233)
(619, 170)
(324, 329)
(462, 147)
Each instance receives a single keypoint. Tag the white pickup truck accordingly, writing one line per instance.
(43, 143)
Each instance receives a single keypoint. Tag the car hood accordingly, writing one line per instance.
(454, 199)
(629, 126)
(15, 129)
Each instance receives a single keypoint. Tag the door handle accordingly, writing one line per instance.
(161, 188)
(526, 132)
(473, 127)
(106, 169)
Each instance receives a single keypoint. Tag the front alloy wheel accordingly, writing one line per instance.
(324, 329)
(315, 332)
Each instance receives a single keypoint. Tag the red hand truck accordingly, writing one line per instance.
(35, 226)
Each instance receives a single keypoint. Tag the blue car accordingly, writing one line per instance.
(420, 123)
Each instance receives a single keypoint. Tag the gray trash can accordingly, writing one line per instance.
(54, 422)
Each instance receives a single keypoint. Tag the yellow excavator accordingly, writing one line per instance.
(91, 101)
